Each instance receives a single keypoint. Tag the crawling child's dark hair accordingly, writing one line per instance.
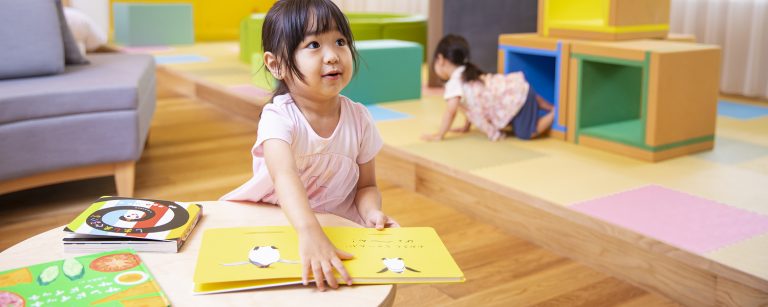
(455, 49)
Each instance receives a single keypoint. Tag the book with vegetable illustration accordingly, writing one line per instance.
(241, 258)
(116, 278)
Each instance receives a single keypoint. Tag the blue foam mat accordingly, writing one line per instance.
(740, 110)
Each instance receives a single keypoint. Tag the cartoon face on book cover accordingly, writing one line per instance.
(250, 253)
(139, 218)
(115, 278)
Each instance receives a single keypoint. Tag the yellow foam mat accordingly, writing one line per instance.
(548, 179)
(747, 255)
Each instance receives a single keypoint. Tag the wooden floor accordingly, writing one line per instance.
(197, 152)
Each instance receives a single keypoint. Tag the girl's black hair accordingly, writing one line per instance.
(288, 22)
(455, 49)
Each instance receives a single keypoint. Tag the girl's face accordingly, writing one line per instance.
(325, 60)
(442, 69)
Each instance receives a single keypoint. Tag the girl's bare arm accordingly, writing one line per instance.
(368, 198)
(318, 254)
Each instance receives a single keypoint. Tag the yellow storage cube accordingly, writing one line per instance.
(604, 19)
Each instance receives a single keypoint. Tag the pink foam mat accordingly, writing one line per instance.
(683, 220)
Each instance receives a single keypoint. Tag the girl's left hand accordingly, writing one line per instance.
(378, 220)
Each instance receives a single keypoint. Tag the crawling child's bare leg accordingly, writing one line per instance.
(545, 122)
(544, 104)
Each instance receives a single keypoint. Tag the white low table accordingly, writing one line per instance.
(174, 271)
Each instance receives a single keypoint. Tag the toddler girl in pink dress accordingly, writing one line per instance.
(315, 149)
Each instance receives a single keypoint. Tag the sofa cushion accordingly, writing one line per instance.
(111, 82)
(31, 39)
(72, 54)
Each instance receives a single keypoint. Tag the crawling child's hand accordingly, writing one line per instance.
(431, 137)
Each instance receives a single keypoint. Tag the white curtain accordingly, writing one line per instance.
(740, 27)
(420, 7)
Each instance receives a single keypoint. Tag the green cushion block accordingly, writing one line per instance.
(366, 31)
(260, 75)
(365, 26)
(250, 36)
(389, 70)
(412, 29)
(140, 24)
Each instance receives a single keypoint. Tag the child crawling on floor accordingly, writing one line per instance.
(491, 102)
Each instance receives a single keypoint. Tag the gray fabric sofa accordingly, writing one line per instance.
(73, 122)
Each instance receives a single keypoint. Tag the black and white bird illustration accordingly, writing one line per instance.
(396, 265)
(263, 257)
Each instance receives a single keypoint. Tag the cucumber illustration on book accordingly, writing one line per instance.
(48, 275)
(73, 269)
(263, 257)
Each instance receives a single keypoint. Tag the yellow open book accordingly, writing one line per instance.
(242, 258)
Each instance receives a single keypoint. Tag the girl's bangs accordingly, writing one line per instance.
(321, 19)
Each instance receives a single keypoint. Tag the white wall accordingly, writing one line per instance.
(420, 7)
(98, 10)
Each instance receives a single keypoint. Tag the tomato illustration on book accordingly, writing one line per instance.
(115, 262)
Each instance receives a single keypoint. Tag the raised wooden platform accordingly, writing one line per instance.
(655, 266)
(173, 82)
(685, 277)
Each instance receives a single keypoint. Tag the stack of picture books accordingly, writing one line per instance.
(145, 225)
(232, 259)
(115, 278)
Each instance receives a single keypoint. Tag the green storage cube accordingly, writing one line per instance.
(388, 70)
(141, 24)
(260, 75)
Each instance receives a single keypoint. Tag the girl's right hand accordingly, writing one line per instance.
(321, 258)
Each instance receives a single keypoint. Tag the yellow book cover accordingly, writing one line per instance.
(242, 258)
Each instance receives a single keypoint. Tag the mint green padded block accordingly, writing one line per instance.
(389, 70)
(143, 24)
